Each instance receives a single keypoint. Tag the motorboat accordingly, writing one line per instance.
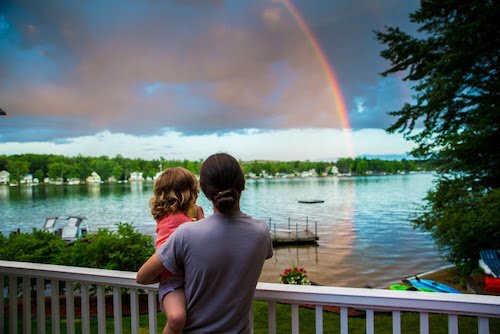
(69, 228)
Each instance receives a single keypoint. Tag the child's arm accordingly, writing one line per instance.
(199, 213)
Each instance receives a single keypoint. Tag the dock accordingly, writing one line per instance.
(286, 234)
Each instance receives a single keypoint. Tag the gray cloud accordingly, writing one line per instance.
(75, 68)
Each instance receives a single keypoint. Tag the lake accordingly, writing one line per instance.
(365, 235)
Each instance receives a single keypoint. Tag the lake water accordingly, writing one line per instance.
(365, 236)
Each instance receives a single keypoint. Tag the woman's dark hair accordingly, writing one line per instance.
(222, 181)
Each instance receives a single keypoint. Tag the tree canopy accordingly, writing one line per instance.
(453, 63)
(58, 166)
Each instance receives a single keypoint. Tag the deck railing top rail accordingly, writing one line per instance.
(376, 299)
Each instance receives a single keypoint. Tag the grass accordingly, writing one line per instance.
(410, 322)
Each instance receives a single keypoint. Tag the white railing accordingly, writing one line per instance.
(20, 276)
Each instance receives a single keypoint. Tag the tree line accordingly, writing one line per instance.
(58, 166)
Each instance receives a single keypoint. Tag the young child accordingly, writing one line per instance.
(173, 203)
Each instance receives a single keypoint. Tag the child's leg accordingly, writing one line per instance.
(174, 305)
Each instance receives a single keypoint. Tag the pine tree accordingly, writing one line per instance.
(453, 64)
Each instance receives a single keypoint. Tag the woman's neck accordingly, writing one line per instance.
(236, 208)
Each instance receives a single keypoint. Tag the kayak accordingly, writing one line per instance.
(428, 285)
(403, 287)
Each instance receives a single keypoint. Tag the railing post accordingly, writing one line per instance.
(101, 309)
(70, 308)
(26, 304)
(344, 320)
(424, 323)
(152, 311)
(134, 311)
(40, 305)
(54, 306)
(271, 317)
(319, 319)
(2, 316)
(396, 322)
(295, 319)
(452, 324)
(85, 308)
(370, 322)
(13, 304)
(483, 326)
(117, 309)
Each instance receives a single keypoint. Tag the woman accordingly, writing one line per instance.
(221, 256)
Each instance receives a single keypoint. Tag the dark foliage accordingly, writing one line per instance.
(454, 119)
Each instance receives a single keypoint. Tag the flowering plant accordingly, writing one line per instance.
(294, 275)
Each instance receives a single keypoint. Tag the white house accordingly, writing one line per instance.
(4, 177)
(136, 176)
(73, 181)
(93, 178)
(27, 179)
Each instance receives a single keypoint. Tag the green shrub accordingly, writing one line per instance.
(125, 249)
(39, 247)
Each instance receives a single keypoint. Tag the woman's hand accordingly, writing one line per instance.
(150, 271)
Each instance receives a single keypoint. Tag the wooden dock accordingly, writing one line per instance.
(293, 234)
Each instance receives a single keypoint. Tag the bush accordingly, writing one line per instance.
(125, 249)
(39, 247)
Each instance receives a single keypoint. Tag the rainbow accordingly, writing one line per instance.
(331, 78)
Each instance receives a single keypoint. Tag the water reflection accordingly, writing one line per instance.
(26, 192)
(94, 189)
(136, 187)
(336, 235)
(363, 225)
(4, 192)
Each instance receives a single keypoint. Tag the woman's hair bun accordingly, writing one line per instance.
(225, 200)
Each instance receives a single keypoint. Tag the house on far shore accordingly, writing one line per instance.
(73, 181)
(112, 179)
(136, 176)
(4, 177)
(28, 180)
(94, 178)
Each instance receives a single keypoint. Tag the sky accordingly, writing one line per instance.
(259, 79)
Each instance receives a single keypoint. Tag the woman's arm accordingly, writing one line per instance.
(150, 271)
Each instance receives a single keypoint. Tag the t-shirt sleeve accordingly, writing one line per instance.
(269, 243)
(170, 253)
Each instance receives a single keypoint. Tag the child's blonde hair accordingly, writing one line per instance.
(174, 190)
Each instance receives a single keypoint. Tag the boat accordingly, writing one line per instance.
(69, 228)
(428, 285)
(490, 262)
(314, 201)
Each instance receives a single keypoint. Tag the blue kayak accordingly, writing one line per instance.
(430, 285)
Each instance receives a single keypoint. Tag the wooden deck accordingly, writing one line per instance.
(283, 237)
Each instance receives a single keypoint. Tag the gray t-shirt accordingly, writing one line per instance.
(222, 258)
